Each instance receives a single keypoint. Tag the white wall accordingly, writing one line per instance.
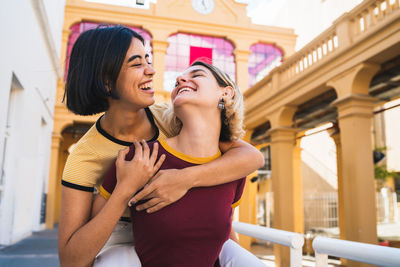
(28, 37)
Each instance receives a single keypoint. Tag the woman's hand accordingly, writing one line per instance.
(169, 186)
(143, 166)
(166, 187)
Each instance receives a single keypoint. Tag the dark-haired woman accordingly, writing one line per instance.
(110, 72)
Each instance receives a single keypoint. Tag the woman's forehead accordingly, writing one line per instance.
(196, 68)
(136, 47)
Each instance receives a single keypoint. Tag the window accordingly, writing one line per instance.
(184, 48)
(263, 58)
(265, 171)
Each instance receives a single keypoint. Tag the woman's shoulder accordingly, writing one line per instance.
(159, 107)
(85, 144)
(94, 141)
(89, 159)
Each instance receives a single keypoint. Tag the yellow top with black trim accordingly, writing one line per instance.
(94, 153)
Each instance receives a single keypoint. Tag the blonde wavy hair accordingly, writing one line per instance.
(231, 116)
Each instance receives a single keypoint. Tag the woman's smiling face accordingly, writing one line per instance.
(196, 85)
(134, 83)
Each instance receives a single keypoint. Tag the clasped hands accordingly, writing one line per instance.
(162, 188)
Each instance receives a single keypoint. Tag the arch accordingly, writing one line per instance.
(263, 58)
(185, 47)
(77, 28)
(60, 125)
(282, 117)
(77, 128)
(382, 85)
(355, 80)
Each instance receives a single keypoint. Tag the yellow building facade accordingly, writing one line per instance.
(329, 80)
(227, 21)
(332, 79)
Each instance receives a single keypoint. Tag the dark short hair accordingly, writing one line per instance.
(94, 65)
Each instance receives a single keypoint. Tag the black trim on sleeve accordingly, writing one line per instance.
(125, 143)
(78, 187)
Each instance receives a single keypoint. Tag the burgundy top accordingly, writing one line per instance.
(189, 232)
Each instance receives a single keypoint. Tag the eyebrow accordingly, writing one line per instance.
(136, 56)
(197, 70)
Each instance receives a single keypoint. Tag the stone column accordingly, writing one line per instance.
(53, 180)
(357, 184)
(159, 52)
(242, 68)
(335, 135)
(298, 204)
(247, 208)
(287, 191)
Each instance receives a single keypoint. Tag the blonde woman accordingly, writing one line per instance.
(207, 109)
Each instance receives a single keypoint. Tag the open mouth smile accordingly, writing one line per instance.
(185, 89)
(146, 86)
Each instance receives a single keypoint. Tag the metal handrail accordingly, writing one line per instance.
(292, 240)
(356, 251)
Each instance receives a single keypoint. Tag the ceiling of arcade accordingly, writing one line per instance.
(384, 87)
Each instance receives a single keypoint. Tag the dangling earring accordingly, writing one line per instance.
(221, 104)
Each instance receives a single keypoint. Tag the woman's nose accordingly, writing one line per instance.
(149, 70)
(180, 79)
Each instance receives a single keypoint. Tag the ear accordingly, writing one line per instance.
(108, 88)
(228, 92)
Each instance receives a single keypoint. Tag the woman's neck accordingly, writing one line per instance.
(127, 125)
(199, 136)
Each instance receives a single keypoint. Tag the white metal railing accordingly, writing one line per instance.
(292, 240)
(361, 252)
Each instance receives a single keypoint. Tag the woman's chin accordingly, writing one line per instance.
(179, 100)
(144, 103)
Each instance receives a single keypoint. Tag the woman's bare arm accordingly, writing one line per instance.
(167, 186)
(80, 238)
